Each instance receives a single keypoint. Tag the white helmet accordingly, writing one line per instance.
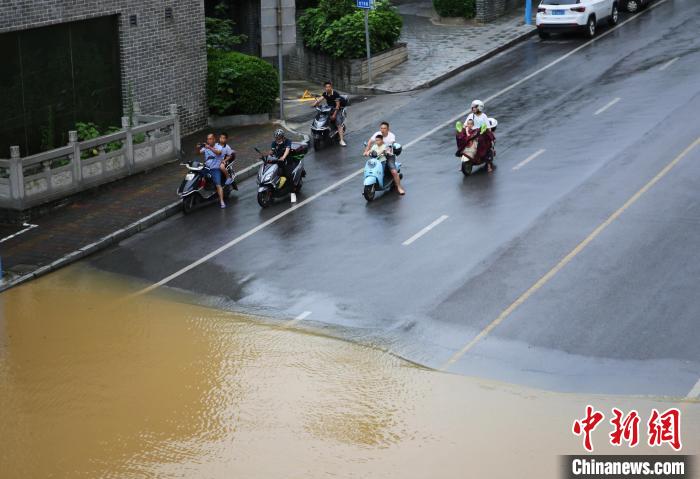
(479, 104)
(493, 123)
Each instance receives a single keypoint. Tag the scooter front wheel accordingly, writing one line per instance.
(467, 168)
(369, 192)
(265, 198)
(297, 188)
(317, 144)
(189, 203)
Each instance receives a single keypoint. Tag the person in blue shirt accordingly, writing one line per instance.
(212, 156)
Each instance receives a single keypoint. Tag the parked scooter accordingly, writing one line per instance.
(197, 188)
(322, 128)
(478, 155)
(271, 185)
(377, 176)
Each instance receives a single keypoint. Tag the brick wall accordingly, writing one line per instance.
(488, 10)
(163, 60)
(346, 75)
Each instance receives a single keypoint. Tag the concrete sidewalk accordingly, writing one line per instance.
(106, 215)
(437, 51)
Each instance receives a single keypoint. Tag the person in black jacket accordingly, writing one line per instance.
(335, 101)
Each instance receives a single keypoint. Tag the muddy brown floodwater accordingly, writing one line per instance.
(95, 387)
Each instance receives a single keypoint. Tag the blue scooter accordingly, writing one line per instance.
(377, 176)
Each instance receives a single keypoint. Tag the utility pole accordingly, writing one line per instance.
(367, 6)
(280, 64)
(369, 54)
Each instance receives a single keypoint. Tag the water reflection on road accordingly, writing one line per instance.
(91, 386)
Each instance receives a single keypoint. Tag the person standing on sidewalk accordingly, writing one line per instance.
(335, 101)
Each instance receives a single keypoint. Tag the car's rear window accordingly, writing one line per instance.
(559, 2)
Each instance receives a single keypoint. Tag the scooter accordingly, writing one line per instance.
(197, 188)
(271, 185)
(469, 157)
(377, 176)
(322, 128)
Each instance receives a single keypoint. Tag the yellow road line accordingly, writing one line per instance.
(580, 247)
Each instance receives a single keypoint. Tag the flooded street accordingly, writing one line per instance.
(95, 386)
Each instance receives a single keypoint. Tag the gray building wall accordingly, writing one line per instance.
(489, 10)
(163, 60)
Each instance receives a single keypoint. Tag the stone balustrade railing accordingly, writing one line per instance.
(37, 179)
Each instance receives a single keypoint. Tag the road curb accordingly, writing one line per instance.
(454, 72)
(112, 238)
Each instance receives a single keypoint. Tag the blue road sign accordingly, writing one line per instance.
(364, 4)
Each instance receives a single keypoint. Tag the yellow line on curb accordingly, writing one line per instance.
(564, 261)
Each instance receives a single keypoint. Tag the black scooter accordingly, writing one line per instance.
(197, 188)
(322, 128)
(271, 184)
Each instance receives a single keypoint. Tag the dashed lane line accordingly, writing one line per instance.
(604, 108)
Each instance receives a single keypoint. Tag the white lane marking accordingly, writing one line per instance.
(308, 200)
(245, 235)
(669, 63)
(695, 392)
(601, 110)
(425, 230)
(248, 168)
(299, 318)
(27, 227)
(529, 159)
(246, 278)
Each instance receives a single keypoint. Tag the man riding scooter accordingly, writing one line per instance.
(212, 162)
(280, 148)
(388, 139)
(334, 100)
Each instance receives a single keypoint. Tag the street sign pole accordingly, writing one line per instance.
(369, 54)
(528, 12)
(367, 5)
(280, 64)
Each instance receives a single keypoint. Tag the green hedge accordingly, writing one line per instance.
(239, 84)
(337, 28)
(455, 8)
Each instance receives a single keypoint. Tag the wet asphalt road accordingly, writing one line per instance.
(621, 317)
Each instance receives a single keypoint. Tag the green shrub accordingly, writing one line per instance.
(344, 37)
(455, 8)
(114, 145)
(87, 131)
(240, 84)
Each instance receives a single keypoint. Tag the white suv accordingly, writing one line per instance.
(574, 15)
